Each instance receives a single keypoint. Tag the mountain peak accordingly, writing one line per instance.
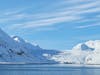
(18, 39)
(87, 46)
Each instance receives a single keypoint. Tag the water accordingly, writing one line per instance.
(34, 69)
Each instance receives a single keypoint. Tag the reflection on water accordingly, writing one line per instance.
(48, 70)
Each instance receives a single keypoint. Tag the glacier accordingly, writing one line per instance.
(83, 53)
(16, 50)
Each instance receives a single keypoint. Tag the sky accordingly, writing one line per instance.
(53, 24)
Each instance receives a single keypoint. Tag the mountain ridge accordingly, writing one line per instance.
(15, 49)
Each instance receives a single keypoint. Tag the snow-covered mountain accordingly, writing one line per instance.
(89, 45)
(83, 53)
(15, 49)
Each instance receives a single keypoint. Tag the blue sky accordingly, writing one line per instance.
(53, 24)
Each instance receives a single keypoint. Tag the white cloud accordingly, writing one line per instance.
(72, 12)
(87, 26)
(49, 21)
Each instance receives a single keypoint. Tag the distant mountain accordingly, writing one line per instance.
(83, 47)
(89, 45)
(83, 53)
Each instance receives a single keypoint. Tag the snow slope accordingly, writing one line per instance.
(15, 49)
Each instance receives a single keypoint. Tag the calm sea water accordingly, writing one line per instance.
(34, 69)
